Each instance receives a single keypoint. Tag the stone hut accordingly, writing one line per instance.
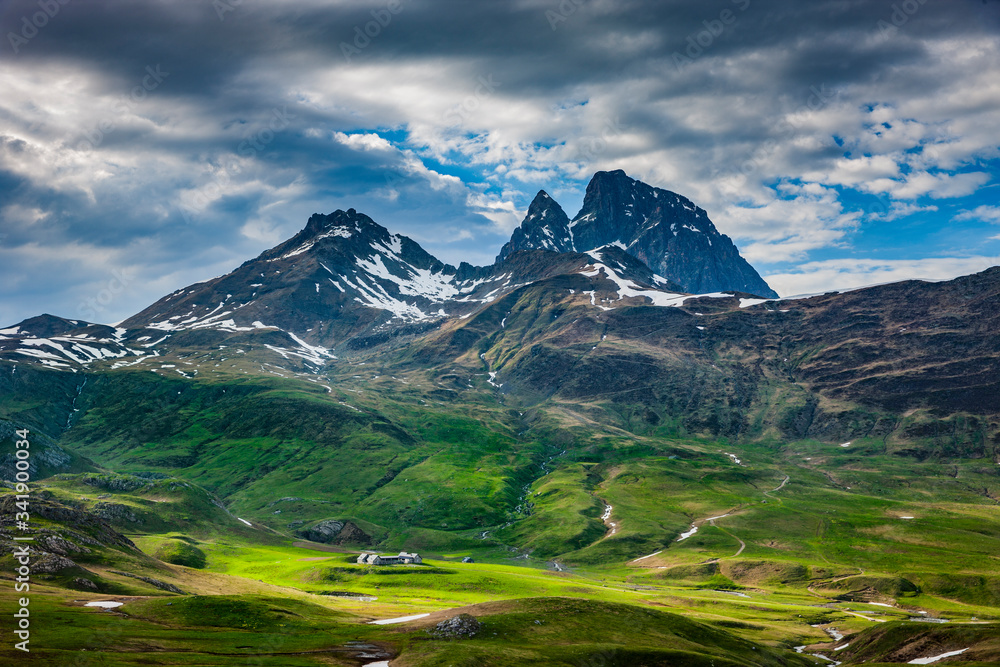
(372, 558)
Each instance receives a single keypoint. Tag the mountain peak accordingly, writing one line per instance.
(542, 204)
(545, 227)
(668, 232)
(349, 221)
(613, 175)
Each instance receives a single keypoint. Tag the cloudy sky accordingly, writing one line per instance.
(148, 145)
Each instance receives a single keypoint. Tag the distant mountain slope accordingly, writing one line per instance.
(912, 362)
(60, 343)
(551, 324)
(322, 277)
(668, 232)
(441, 432)
(345, 276)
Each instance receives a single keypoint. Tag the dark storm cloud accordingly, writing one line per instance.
(188, 177)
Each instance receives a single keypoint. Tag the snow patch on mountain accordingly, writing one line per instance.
(436, 287)
(628, 289)
(343, 232)
(375, 296)
(72, 351)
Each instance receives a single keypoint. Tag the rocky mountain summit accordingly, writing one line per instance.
(663, 229)
(545, 227)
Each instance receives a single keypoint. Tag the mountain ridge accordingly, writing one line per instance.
(663, 229)
(550, 324)
(344, 274)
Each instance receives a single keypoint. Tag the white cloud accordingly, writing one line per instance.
(936, 186)
(854, 172)
(785, 224)
(901, 210)
(502, 212)
(840, 274)
(986, 213)
(364, 141)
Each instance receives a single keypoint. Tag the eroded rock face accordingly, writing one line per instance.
(51, 563)
(333, 531)
(60, 545)
(673, 236)
(463, 626)
(324, 531)
(116, 513)
(545, 227)
(86, 584)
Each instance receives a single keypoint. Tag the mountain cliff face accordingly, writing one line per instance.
(666, 231)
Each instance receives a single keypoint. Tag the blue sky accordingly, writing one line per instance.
(147, 146)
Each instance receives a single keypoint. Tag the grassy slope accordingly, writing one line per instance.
(422, 461)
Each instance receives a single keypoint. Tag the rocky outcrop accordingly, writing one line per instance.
(100, 531)
(116, 513)
(122, 483)
(333, 531)
(51, 563)
(324, 531)
(61, 546)
(463, 626)
(85, 584)
(162, 585)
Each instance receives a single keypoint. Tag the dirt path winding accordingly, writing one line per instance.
(743, 545)
(778, 488)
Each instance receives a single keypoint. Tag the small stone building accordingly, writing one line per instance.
(372, 558)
